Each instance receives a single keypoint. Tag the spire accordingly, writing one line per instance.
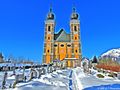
(51, 8)
(50, 15)
(74, 14)
(74, 10)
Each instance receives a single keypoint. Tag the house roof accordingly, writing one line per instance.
(62, 36)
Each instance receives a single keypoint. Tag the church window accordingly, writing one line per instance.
(48, 51)
(75, 28)
(48, 38)
(62, 45)
(75, 38)
(76, 51)
(69, 45)
(48, 28)
(55, 45)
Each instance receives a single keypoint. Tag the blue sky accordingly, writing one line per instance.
(22, 25)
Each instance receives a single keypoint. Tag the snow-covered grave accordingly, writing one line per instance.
(42, 78)
(58, 80)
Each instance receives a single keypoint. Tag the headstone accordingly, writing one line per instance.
(14, 69)
(50, 69)
(39, 72)
(31, 76)
(34, 74)
(19, 78)
(43, 71)
(4, 80)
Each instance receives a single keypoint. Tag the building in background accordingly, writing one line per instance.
(1, 58)
(62, 46)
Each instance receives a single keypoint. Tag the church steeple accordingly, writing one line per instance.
(75, 36)
(74, 14)
(49, 37)
(50, 15)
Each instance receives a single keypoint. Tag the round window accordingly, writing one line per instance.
(62, 45)
(69, 45)
(55, 45)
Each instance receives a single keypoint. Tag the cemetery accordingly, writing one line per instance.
(12, 74)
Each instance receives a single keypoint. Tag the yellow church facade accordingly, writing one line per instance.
(62, 46)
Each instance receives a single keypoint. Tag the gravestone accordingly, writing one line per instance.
(4, 80)
(50, 69)
(33, 74)
(19, 78)
(14, 69)
(43, 71)
(39, 72)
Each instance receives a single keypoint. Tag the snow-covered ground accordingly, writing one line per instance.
(68, 79)
(58, 80)
(87, 80)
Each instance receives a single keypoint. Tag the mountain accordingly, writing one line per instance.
(114, 54)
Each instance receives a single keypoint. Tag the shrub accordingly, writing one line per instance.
(99, 70)
(100, 76)
(14, 84)
(110, 75)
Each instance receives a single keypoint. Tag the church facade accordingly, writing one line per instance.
(62, 46)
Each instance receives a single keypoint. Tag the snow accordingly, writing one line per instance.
(113, 53)
(60, 80)
(53, 81)
(87, 80)
(12, 64)
(76, 75)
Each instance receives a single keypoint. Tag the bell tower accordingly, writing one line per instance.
(49, 37)
(75, 36)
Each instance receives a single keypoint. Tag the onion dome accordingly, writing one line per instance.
(74, 14)
(50, 15)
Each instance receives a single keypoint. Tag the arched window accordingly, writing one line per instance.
(75, 28)
(48, 51)
(48, 28)
(48, 38)
(75, 38)
(76, 51)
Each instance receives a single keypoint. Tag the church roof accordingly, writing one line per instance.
(62, 36)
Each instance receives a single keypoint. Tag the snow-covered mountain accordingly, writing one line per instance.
(113, 53)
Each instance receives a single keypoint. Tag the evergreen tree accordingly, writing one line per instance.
(94, 60)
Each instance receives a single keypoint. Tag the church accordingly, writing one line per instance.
(62, 46)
